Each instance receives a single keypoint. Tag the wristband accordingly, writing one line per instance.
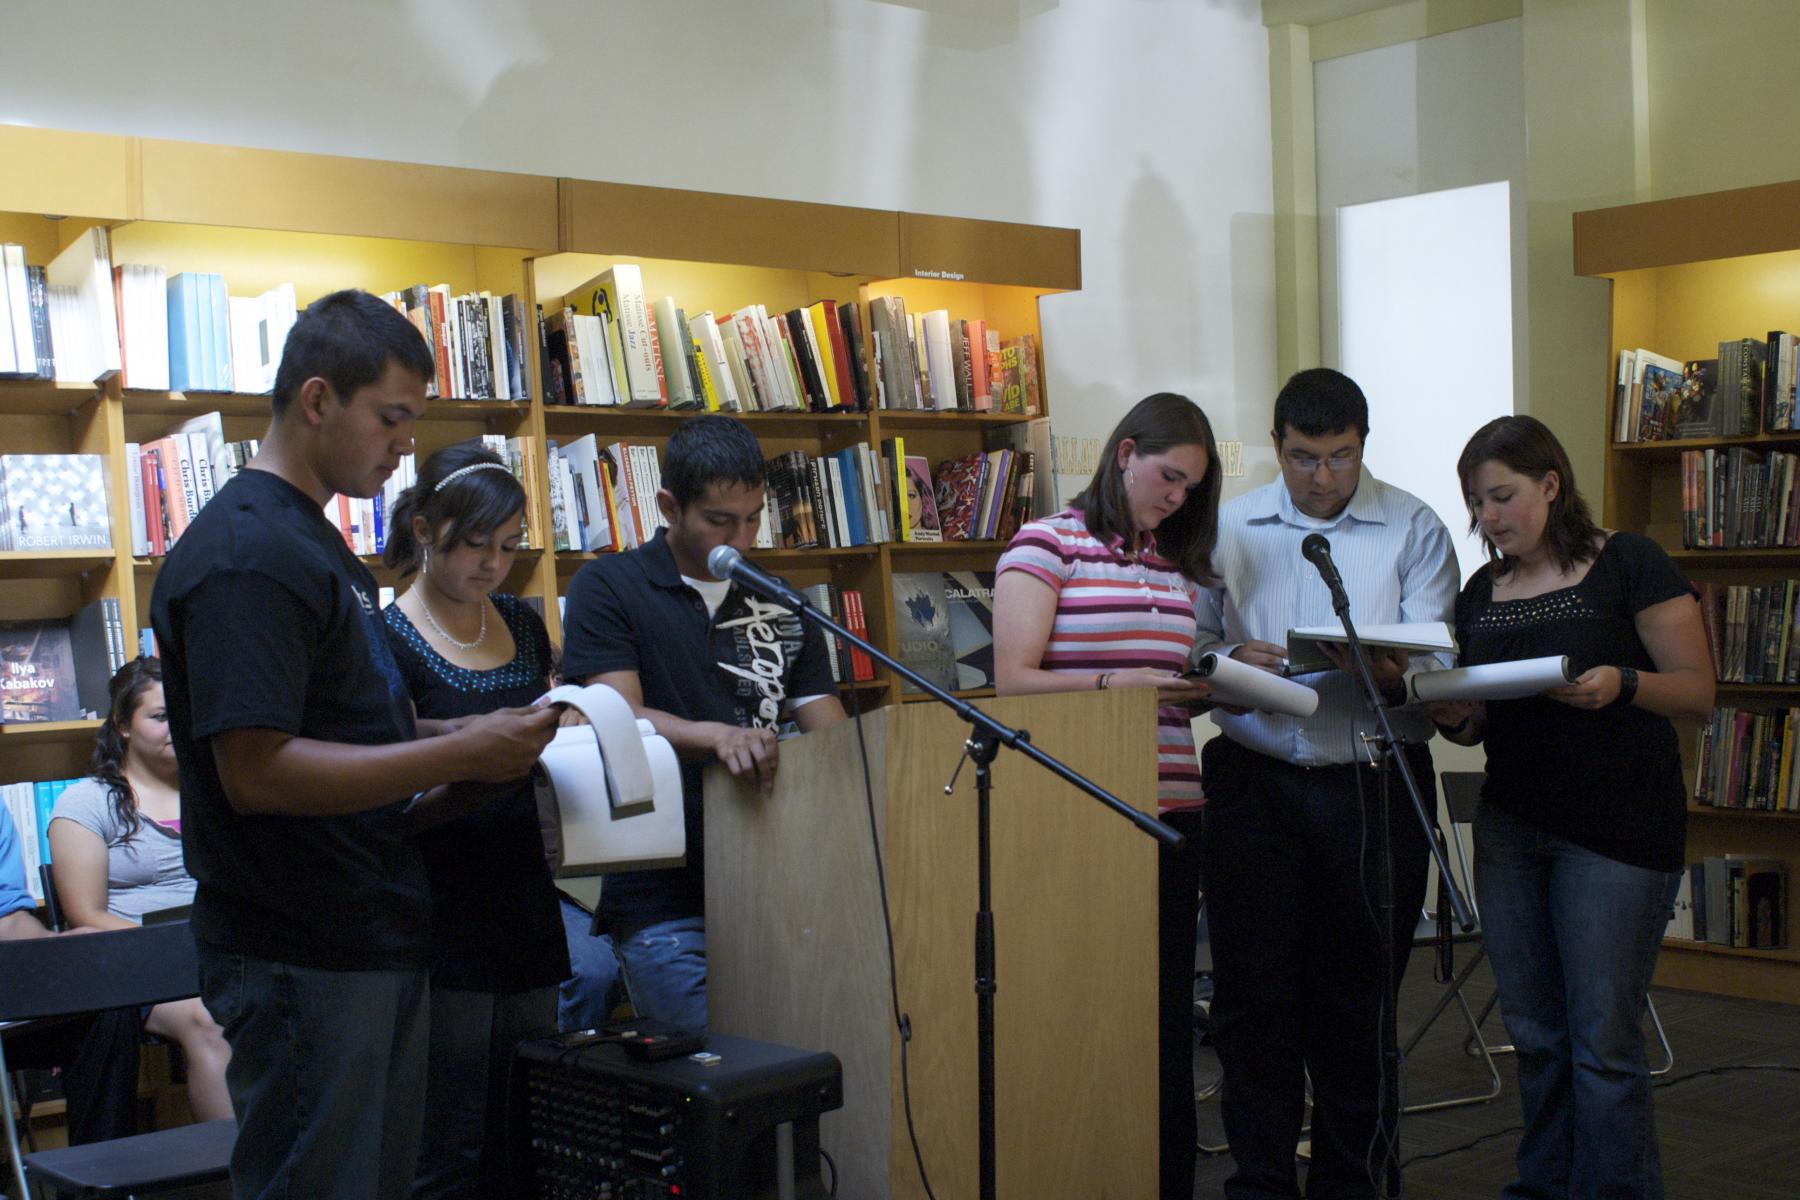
(1628, 686)
(1100, 680)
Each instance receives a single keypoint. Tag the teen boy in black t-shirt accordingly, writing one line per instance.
(295, 740)
(713, 667)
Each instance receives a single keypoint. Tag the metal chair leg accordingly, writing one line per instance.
(1662, 1039)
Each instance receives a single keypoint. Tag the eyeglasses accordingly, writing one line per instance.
(1340, 462)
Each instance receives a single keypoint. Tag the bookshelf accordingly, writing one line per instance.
(261, 218)
(1685, 274)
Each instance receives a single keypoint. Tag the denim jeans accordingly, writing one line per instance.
(326, 1072)
(593, 989)
(473, 1039)
(664, 966)
(1573, 936)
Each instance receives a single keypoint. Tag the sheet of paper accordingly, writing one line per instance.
(1494, 681)
(1241, 684)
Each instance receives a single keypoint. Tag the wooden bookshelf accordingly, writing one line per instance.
(262, 217)
(1684, 275)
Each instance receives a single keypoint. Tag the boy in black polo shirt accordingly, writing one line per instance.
(713, 667)
(295, 740)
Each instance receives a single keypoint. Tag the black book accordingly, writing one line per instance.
(818, 397)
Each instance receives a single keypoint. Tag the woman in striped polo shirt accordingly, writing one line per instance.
(1102, 596)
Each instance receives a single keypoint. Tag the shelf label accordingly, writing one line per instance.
(925, 273)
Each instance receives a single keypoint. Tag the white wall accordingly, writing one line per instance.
(1145, 124)
(1442, 112)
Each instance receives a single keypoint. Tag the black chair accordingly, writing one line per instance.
(44, 978)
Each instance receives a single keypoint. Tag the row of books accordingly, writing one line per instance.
(607, 344)
(1745, 759)
(476, 339)
(603, 497)
(1751, 630)
(1733, 900)
(30, 805)
(54, 502)
(1736, 497)
(849, 664)
(1747, 389)
(59, 669)
(944, 627)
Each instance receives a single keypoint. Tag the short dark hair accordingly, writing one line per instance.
(1186, 536)
(347, 338)
(1319, 401)
(1526, 445)
(471, 505)
(710, 449)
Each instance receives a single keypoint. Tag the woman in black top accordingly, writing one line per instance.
(497, 945)
(1579, 839)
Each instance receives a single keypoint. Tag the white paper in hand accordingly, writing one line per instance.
(1494, 681)
(1245, 686)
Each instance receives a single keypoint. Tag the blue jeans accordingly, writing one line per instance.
(593, 989)
(1573, 936)
(474, 1036)
(664, 966)
(326, 1072)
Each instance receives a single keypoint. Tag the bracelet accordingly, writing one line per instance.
(1628, 686)
(1100, 680)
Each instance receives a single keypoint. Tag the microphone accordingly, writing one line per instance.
(1316, 549)
(726, 562)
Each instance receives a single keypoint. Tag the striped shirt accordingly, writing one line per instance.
(1398, 564)
(1114, 612)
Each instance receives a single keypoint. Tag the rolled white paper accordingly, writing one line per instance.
(1241, 684)
(1494, 681)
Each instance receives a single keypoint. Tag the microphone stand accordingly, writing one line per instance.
(982, 748)
(1385, 756)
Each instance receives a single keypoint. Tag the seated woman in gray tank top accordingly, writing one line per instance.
(115, 851)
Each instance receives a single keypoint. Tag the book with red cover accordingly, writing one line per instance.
(840, 350)
(958, 485)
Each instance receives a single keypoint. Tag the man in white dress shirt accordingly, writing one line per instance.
(1289, 856)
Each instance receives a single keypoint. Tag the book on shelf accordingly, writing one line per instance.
(29, 805)
(617, 294)
(971, 598)
(477, 340)
(921, 501)
(54, 502)
(1751, 630)
(1733, 900)
(140, 294)
(84, 319)
(58, 669)
(1734, 497)
(1745, 759)
(923, 640)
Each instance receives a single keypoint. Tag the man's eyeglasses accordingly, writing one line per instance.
(1339, 463)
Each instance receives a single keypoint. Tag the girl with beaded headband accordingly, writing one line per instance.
(498, 950)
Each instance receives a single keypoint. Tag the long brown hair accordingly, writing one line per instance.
(1526, 445)
(1186, 536)
(106, 762)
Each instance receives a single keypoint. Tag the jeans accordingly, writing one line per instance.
(593, 989)
(664, 967)
(1291, 874)
(1573, 936)
(327, 1068)
(473, 1039)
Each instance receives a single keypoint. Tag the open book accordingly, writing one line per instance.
(1422, 637)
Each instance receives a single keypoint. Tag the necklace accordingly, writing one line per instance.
(425, 607)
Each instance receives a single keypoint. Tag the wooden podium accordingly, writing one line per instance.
(796, 952)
